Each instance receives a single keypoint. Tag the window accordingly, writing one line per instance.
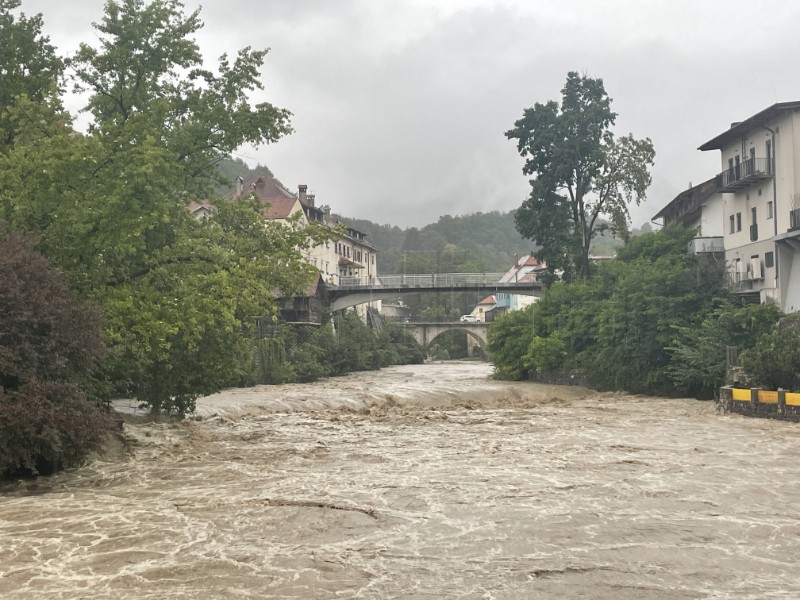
(738, 221)
(769, 260)
(753, 218)
(733, 224)
(769, 210)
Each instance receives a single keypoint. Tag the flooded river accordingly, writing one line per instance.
(425, 481)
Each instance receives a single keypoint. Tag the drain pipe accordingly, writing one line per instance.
(774, 181)
(774, 198)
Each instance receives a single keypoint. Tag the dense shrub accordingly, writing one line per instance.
(308, 353)
(49, 342)
(623, 327)
(774, 361)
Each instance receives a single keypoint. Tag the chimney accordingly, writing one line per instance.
(302, 189)
(310, 200)
(516, 259)
(239, 186)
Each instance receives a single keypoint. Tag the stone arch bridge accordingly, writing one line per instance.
(426, 333)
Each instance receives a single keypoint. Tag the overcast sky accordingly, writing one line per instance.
(400, 105)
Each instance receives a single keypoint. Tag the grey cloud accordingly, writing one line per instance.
(400, 107)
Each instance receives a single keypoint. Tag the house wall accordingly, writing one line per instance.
(712, 217)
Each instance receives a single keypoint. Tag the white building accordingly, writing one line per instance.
(350, 256)
(525, 269)
(760, 186)
(701, 207)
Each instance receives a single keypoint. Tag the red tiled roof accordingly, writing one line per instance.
(530, 261)
(278, 208)
(488, 300)
(264, 188)
(195, 207)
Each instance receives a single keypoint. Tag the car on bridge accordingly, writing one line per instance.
(468, 319)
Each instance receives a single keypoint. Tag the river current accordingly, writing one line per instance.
(426, 481)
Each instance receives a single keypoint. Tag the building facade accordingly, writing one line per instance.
(701, 208)
(760, 187)
(351, 256)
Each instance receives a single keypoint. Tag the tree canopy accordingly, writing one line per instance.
(583, 177)
(642, 323)
(110, 206)
(29, 65)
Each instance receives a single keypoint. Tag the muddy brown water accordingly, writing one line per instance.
(425, 481)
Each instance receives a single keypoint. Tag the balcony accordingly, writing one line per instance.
(703, 245)
(794, 219)
(744, 174)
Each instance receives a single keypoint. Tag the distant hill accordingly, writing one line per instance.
(475, 242)
(478, 242)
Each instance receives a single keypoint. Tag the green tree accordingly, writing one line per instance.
(510, 337)
(698, 354)
(29, 65)
(583, 178)
(774, 361)
(621, 326)
(146, 83)
(110, 206)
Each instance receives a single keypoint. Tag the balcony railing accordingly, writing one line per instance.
(701, 245)
(794, 219)
(744, 174)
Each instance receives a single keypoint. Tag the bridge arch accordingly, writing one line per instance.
(426, 333)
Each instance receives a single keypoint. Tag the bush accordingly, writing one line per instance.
(47, 426)
(774, 362)
(49, 342)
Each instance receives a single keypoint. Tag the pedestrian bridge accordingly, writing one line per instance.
(426, 333)
(352, 291)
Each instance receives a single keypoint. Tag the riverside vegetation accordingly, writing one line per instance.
(115, 289)
(656, 320)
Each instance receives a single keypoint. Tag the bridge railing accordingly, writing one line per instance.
(422, 281)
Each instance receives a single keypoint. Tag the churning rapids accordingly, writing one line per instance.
(426, 481)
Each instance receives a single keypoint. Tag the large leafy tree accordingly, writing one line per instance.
(179, 295)
(583, 178)
(28, 63)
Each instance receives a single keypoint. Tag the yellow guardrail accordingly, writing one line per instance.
(741, 395)
(792, 399)
(765, 396)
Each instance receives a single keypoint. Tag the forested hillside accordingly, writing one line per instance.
(475, 242)
(479, 241)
